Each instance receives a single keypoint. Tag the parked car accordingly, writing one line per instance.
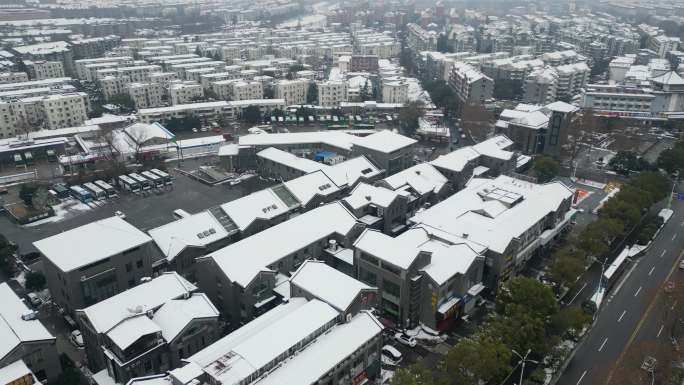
(405, 339)
(76, 339)
(120, 214)
(681, 264)
(390, 355)
(34, 299)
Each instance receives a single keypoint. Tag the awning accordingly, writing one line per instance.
(476, 289)
(448, 305)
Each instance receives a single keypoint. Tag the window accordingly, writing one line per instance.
(391, 288)
(129, 267)
(369, 258)
(139, 264)
(391, 268)
(368, 277)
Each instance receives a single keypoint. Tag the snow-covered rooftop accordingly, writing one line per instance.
(243, 260)
(364, 194)
(423, 178)
(307, 187)
(198, 230)
(176, 314)
(13, 329)
(90, 243)
(327, 284)
(263, 204)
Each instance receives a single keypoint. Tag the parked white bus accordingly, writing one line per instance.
(129, 184)
(156, 179)
(109, 190)
(97, 192)
(144, 183)
(165, 177)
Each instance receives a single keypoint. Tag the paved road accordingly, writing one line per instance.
(622, 312)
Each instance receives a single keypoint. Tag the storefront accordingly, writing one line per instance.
(448, 313)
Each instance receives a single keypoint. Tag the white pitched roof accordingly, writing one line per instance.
(364, 194)
(263, 204)
(131, 329)
(495, 147)
(327, 284)
(106, 314)
(172, 238)
(176, 314)
(13, 329)
(142, 132)
(423, 178)
(385, 141)
(456, 160)
(90, 243)
(328, 351)
(243, 260)
(14, 371)
(306, 187)
(244, 352)
(491, 212)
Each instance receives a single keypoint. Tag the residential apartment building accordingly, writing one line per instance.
(303, 342)
(26, 340)
(13, 77)
(571, 79)
(662, 44)
(68, 110)
(394, 90)
(540, 86)
(91, 263)
(421, 183)
(527, 218)
(421, 279)
(470, 85)
(147, 329)
(378, 207)
(185, 92)
(331, 93)
(81, 65)
(420, 39)
(146, 95)
(294, 92)
(42, 69)
(629, 100)
(240, 278)
(209, 111)
(363, 63)
(113, 85)
(246, 90)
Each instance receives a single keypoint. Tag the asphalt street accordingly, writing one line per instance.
(624, 311)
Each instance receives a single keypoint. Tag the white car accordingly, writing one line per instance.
(681, 264)
(390, 355)
(120, 214)
(194, 130)
(76, 339)
(405, 339)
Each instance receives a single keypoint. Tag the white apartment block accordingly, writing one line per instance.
(420, 39)
(292, 91)
(82, 66)
(394, 90)
(69, 110)
(246, 90)
(146, 95)
(540, 86)
(572, 78)
(223, 88)
(140, 73)
(662, 44)
(230, 53)
(208, 111)
(470, 85)
(207, 80)
(163, 78)
(43, 69)
(331, 93)
(184, 92)
(113, 85)
(13, 77)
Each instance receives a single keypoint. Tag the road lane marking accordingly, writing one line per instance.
(638, 291)
(641, 321)
(578, 293)
(674, 236)
(663, 253)
(622, 315)
(660, 330)
(603, 344)
(581, 377)
(651, 271)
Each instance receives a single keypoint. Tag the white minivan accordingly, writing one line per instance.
(390, 355)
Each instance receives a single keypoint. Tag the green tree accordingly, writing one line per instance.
(415, 374)
(124, 101)
(312, 94)
(527, 295)
(475, 360)
(546, 168)
(520, 331)
(26, 193)
(571, 318)
(627, 212)
(626, 162)
(35, 281)
(508, 89)
(566, 266)
(252, 114)
(198, 51)
(672, 159)
(409, 115)
(654, 183)
(596, 238)
(366, 92)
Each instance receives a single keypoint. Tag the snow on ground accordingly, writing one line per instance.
(65, 209)
(424, 333)
(591, 183)
(316, 20)
(386, 376)
(21, 278)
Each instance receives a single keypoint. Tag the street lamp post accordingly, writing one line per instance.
(523, 360)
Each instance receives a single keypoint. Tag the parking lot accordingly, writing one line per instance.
(145, 212)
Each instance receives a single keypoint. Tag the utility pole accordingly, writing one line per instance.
(674, 185)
